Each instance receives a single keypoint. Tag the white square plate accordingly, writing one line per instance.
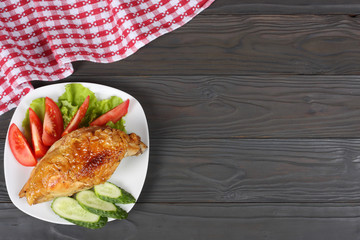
(130, 174)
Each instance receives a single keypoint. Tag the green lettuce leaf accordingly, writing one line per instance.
(106, 105)
(118, 125)
(75, 95)
(38, 105)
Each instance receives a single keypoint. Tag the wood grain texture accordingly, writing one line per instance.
(201, 221)
(246, 45)
(253, 171)
(240, 171)
(240, 107)
(284, 7)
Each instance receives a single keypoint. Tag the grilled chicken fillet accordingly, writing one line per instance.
(78, 161)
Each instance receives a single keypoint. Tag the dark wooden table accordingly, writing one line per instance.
(254, 116)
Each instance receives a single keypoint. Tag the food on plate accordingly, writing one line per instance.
(74, 96)
(20, 147)
(77, 107)
(53, 123)
(77, 142)
(69, 102)
(90, 202)
(113, 115)
(36, 132)
(69, 209)
(112, 193)
(78, 161)
(79, 115)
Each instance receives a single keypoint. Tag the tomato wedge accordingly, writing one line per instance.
(113, 115)
(53, 123)
(79, 115)
(36, 132)
(20, 147)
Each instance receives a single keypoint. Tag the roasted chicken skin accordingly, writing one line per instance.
(78, 161)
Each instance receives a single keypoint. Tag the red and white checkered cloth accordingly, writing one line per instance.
(39, 39)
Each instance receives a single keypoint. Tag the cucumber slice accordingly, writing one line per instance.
(90, 202)
(69, 209)
(111, 193)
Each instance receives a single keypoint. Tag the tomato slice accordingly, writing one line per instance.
(53, 123)
(79, 115)
(20, 147)
(36, 132)
(113, 115)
